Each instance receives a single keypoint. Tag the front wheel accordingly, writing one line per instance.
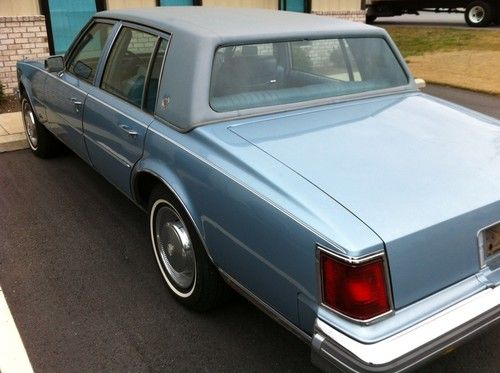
(183, 262)
(479, 14)
(41, 142)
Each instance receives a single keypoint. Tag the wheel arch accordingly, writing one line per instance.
(24, 86)
(145, 179)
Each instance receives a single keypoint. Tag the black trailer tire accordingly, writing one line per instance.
(370, 19)
(479, 14)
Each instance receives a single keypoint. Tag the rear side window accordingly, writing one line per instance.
(154, 79)
(88, 51)
(127, 66)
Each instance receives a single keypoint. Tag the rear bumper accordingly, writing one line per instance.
(411, 347)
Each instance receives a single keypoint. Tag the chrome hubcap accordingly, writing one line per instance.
(30, 126)
(174, 248)
(476, 14)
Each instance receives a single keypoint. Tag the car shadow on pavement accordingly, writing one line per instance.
(81, 281)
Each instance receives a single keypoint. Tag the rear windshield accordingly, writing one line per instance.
(257, 75)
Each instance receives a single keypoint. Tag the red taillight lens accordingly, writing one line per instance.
(355, 290)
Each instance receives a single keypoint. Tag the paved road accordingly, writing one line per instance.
(455, 20)
(82, 285)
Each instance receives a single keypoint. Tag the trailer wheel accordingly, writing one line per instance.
(370, 19)
(479, 14)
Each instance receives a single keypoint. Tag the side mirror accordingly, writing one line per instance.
(54, 64)
(420, 83)
(82, 70)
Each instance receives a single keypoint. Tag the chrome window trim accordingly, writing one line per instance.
(123, 26)
(357, 261)
(69, 53)
(160, 35)
(168, 38)
(104, 53)
(318, 101)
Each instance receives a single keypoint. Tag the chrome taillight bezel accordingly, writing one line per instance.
(356, 261)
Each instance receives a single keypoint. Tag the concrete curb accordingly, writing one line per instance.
(13, 142)
(12, 135)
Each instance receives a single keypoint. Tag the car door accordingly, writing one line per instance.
(67, 90)
(119, 111)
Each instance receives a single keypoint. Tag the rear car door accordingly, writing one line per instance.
(67, 90)
(119, 111)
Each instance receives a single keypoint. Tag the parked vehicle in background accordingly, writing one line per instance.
(301, 165)
(478, 13)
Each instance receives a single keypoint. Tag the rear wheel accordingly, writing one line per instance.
(41, 142)
(183, 262)
(479, 14)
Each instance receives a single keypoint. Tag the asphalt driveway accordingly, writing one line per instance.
(80, 279)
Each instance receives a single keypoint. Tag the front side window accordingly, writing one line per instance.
(267, 74)
(88, 51)
(127, 66)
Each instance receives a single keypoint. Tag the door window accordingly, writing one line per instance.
(87, 53)
(127, 66)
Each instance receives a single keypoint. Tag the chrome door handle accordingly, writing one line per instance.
(77, 104)
(128, 130)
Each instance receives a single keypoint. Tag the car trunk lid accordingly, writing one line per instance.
(423, 175)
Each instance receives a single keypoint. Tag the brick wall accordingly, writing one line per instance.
(20, 37)
(351, 15)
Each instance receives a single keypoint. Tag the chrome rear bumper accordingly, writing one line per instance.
(411, 347)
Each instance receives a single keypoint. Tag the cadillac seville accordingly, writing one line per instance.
(294, 158)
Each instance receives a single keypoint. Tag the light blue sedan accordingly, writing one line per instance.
(292, 157)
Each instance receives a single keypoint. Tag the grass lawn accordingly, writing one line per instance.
(464, 58)
(416, 41)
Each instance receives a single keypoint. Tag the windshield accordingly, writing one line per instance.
(257, 75)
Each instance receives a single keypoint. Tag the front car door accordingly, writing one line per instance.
(67, 90)
(119, 111)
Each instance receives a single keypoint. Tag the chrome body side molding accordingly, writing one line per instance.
(272, 313)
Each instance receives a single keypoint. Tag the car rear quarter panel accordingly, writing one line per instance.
(251, 211)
